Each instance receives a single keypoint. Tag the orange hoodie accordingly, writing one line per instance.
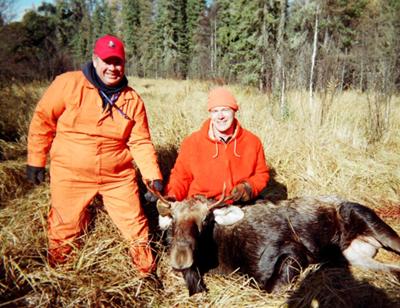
(204, 165)
(88, 144)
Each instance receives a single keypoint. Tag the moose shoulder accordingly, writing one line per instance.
(274, 242)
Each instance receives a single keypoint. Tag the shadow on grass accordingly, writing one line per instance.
(14, 183)
(274, 191)
(336, 287)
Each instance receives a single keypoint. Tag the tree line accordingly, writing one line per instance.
(272, 44)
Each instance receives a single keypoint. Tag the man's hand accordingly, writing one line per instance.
(35, 175)
(242, 192)
(154, 185)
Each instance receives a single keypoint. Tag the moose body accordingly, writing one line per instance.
(274, 242)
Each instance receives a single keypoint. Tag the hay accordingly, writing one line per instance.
(13, 181)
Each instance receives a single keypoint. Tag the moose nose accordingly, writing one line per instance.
(181, 258)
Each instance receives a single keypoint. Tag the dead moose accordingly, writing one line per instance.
(273, 242)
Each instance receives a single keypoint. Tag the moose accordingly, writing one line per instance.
(274, 242)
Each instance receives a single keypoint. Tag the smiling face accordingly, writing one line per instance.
(110, 70)
(222, 119)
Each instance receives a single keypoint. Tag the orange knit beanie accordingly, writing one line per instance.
(221, 97)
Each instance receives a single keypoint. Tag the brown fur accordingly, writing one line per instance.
(274, 242)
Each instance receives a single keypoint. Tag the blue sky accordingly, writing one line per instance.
(21, 6)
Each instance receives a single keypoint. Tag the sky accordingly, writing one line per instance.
(21, 6)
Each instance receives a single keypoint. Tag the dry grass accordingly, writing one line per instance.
(332, 158)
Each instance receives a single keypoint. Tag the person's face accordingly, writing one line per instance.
(110, 70)
(222, 118)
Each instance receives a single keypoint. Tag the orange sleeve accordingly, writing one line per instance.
(44, 121)
(261, 173)
(141, 146)
(181, 177)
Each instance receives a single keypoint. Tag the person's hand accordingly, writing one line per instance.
(241, 192)
(35, 175)
(154, 185)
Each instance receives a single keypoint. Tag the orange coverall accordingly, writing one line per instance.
(204, 165)
(92, 152)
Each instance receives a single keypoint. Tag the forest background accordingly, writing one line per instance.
(276, 46)
(265, 43)
(317, 81)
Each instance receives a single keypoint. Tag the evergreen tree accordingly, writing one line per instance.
(200, 65)
(222, 37)
(198, 33)
(66, 27)
(102, 19)
(181, 37)
(109, 21)
(82, 40)
(241, 41)
(147, 46)
(257, 42)
(131, 30)
(166, 54)
(137, 29)
(98, 20)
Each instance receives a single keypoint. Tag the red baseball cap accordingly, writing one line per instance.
(109, 46)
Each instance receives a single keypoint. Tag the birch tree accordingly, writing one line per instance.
(279, 71)
(313, 59)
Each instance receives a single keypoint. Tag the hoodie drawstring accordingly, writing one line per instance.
(234, 149)
(216, 150)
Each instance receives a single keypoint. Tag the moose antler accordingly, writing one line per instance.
(221, 200)
(158, 194)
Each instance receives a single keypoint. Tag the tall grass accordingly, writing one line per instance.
(309, 157)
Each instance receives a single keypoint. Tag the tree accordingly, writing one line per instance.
(200, 52)
(264, 43)
(147, 47)
(166, 38)
(378, 56)
(246, 39)
(181, 37)
(198, 29)
(82, 39)
(138, 27)
(279, 71)
(29, 48)
(131, 30)
(109, 20)
(98, 19)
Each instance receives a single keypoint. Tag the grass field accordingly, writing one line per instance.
(307, 156)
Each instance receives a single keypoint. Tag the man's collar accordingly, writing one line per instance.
(215, 135)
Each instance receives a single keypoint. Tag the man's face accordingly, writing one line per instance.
(222, 118)
(110, 70)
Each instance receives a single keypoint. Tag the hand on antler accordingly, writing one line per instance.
(153, 186)
(242, 192)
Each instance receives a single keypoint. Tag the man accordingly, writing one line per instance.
(221, 154)
(94, 125)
